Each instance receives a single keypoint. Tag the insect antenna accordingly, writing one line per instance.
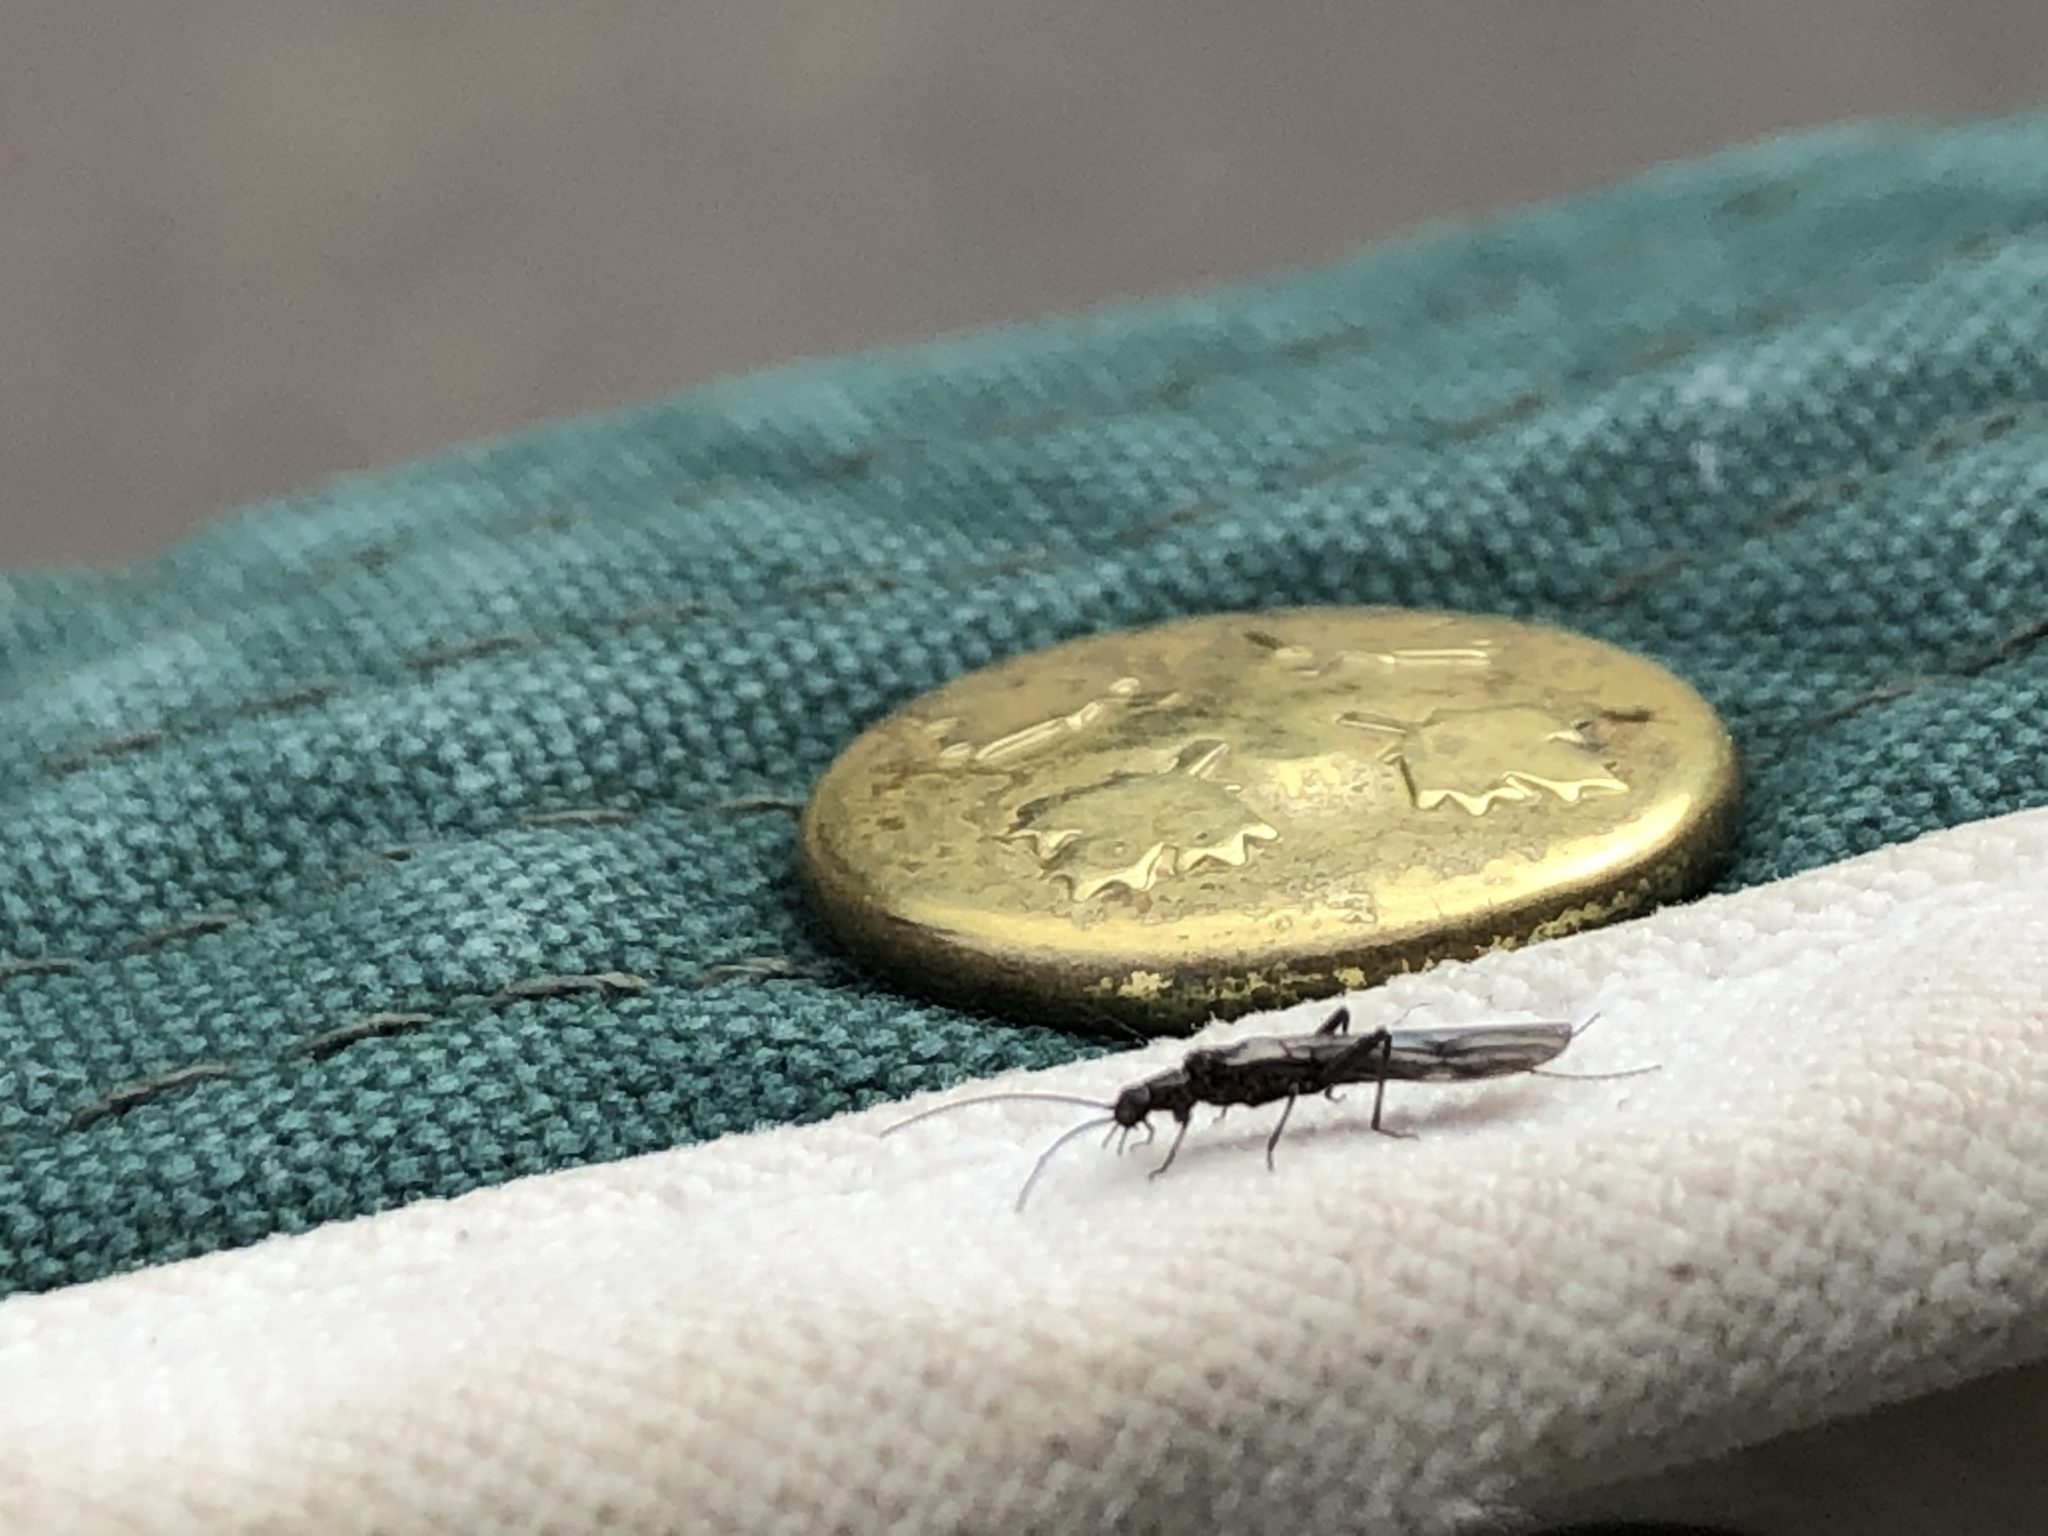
(1595, 1077)
(995, 1098)
(1591, 1077)
(1059, 1141)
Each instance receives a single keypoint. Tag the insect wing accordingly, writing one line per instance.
(1257, 1050)
(1263, 1068)
(1288, 1056)
(1460, 1053)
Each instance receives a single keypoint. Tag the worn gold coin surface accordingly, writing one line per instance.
(1241, 810)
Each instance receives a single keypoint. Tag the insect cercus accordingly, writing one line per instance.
(1264, 1068)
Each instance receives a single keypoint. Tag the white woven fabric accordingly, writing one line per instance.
(1834, 1193)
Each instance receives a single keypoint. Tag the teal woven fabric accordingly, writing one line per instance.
(432, 828)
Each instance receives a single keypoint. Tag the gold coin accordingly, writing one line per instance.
(1242, 810)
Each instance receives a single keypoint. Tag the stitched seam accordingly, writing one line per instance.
(201, 722)
(1657, 351)
(866, 461)
(2009, 647)
(1318, 469)
(119, 1100)
(1321, 470)
(1948, 436)
(1945, 438)
(350, 869)
(73, 759)
(322, 1045)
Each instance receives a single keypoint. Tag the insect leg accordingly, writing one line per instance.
(1338, 1023)
(1379, 1092)
(1344, 1067)
(1273, 1140)
(1173, 1151)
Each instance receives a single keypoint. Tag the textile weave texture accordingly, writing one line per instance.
(433, 828)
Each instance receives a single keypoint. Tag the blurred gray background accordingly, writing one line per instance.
(249, 245)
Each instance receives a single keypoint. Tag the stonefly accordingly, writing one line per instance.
(1263, 1068)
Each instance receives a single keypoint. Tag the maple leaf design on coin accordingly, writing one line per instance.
(1081, 836)
(1476, 759)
